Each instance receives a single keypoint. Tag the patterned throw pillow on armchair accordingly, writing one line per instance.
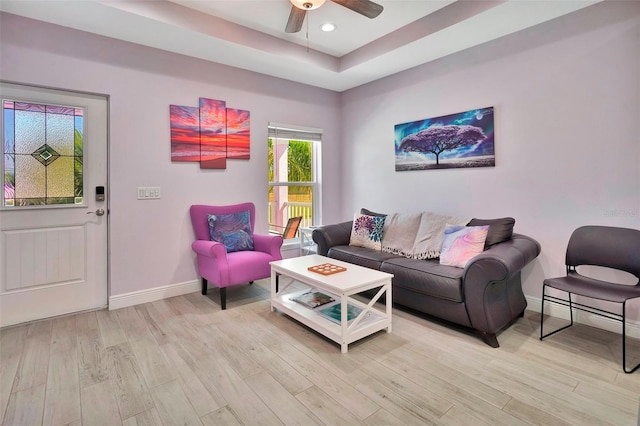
(233, 230)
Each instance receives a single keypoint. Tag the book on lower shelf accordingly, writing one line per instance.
(334, 314)
(313, 299)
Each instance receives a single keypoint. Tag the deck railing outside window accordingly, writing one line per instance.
(293, 209)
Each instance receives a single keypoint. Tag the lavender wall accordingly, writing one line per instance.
(566, 97)
(151, 239)
(567, 104)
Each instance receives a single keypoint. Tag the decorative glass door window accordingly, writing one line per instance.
(42, 154)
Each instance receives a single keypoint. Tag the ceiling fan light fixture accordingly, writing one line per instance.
(328, 27)
(307, 4)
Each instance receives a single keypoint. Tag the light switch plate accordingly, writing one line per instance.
(148, 192)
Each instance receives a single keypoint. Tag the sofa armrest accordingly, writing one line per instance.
(492, 287)
(327, 236)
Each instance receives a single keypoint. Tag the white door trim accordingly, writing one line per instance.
(89, 194)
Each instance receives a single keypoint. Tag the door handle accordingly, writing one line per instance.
(99, 212)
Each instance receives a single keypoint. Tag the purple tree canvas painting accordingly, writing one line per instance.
(464, 139)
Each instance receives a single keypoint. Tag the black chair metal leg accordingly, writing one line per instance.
(570, 310)
(553, 299)
(622, 318)
(204, 286)
(542, 312)
(624, 342)
(223, 298)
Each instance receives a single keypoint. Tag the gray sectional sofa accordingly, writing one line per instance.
(486, 295)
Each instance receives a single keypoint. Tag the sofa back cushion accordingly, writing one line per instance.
(417, 236)
(400, 233)
(370, 213)
(500, 230)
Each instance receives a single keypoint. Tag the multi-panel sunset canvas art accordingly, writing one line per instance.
(238, 134)
(209, 133)
(185, 133)
(213, 134)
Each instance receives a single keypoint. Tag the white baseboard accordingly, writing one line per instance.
(533, 304)
(153, 294)
(559, 311)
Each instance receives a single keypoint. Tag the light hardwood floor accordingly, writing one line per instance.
(184, 361)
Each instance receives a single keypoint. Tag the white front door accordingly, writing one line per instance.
(53, 248)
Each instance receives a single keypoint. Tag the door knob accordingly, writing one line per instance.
(99, 212)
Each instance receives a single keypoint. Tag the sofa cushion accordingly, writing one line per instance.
(360, 256)
(500, 230)
(426, 277)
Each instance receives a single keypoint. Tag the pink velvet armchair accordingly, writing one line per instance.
(222, 268)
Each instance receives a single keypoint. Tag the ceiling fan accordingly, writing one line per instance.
(299, 10)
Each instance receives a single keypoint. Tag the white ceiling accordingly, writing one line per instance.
(250, 34)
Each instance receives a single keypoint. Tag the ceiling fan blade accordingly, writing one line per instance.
(296, 18)
(363, 7)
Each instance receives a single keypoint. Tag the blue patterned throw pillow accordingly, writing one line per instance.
(367, 231)
(233, 230)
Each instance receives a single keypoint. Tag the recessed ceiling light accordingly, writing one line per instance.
(328, 27)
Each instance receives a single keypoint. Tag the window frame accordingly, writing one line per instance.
(299, 133)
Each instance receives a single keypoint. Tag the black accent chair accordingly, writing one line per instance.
(611, 247)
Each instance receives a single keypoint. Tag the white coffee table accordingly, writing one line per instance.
(290, 277)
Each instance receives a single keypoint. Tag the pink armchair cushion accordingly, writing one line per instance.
(233, 230)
